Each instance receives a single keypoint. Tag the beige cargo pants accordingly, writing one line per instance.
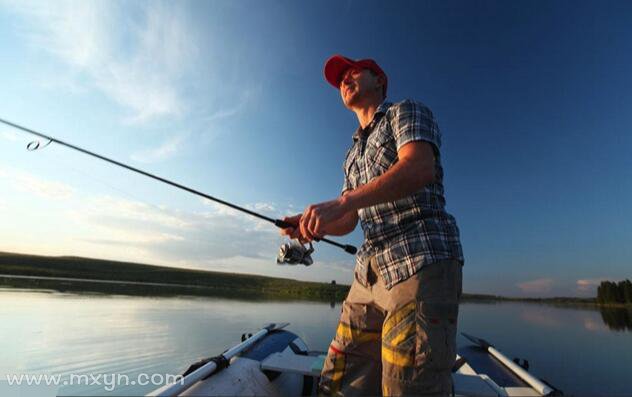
(396, 342)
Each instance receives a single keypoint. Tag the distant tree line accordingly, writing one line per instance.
(613, 292)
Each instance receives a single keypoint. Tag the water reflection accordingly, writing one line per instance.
(540, 315)
(595, 325)
(617, 318)
(572, 346)
(593, 318)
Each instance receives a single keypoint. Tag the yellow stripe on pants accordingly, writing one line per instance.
(399, 316)
(398, 329)
(398, 358)
(404, 334)
(346, 332)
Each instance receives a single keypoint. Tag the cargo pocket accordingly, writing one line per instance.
(352, 361)
(436, 344)
(358, 326)
(399, 335)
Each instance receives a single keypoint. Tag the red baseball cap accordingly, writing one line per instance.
(337, 65)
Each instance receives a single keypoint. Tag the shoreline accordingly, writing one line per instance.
(89, 275)
(141, 289)
(76, 274)
(150, 289)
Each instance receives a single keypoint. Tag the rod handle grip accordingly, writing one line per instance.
(283, 224)
(350, 249)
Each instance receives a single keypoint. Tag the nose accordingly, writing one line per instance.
(346, 79)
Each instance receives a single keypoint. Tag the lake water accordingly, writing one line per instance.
(54, 333)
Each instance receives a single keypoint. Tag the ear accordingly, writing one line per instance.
(381, 81)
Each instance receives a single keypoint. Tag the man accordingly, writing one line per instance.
(397, 329)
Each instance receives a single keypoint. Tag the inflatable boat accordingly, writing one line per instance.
(276, 362)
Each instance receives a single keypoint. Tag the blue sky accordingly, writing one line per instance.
(229, 98)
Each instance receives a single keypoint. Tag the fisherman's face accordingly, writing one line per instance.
(359, 85)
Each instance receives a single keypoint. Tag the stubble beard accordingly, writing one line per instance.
(353, 99)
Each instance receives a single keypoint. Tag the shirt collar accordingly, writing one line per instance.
(380, 110)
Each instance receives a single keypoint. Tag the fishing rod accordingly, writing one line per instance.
(35, 145)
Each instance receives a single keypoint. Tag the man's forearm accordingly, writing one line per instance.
(344, 225)
(414, 169)
(403, 179)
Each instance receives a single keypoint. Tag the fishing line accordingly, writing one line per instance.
(36, 145)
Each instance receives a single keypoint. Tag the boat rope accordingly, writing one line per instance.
(37, 145)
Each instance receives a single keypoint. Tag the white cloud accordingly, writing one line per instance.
(540, 285)
(262, 207)
(126, 238)
(213, 238)
(136, 212)
(320, 271)
(25, 181)
(169, 235)
(226, 112)
(9, 135)
(341, 266)
(135, 53)
(267, 209)
(166, 150)
(585, 285)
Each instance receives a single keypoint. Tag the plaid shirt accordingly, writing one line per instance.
(406, 234)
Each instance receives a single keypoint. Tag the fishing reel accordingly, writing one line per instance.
(295, 253)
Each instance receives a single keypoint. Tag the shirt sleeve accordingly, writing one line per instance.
(413, 121)
(345, 186)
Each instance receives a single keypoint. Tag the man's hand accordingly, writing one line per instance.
(318, 219)
(293, 232)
